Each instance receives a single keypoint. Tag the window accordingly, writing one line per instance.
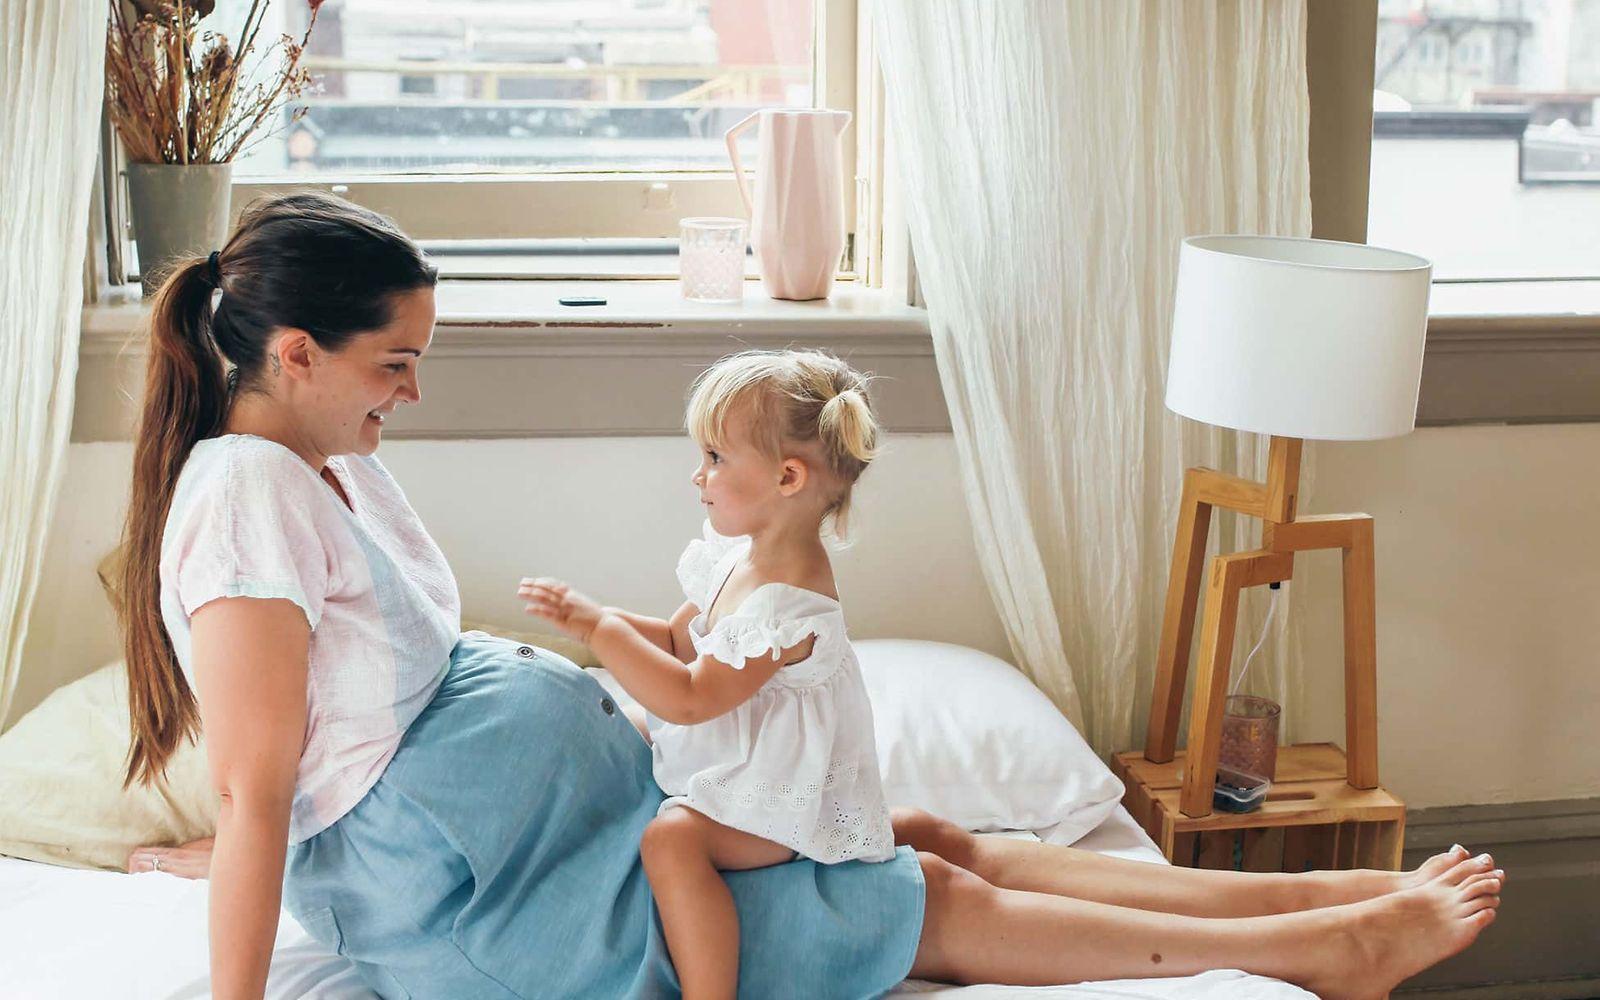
(1486, 144)
(505, 120)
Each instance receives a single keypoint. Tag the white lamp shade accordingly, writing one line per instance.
(1298, 337)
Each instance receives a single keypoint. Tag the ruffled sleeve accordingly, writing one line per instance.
(774, 618)
(701, 557)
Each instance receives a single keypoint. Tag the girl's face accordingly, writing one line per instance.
(347, 395)
(739, 485)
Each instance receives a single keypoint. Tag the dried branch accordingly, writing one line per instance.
(176, 95)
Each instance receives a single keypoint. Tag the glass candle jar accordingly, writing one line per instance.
(711, 259)
(1250, 735)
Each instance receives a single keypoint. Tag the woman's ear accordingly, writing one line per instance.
(292, 353)
(794, 476)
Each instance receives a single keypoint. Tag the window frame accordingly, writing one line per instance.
(1498, 352)
(576, 205)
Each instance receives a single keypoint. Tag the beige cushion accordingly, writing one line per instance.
(61, 767)
(61, 794)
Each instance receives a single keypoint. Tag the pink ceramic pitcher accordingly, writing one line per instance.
(797, 213)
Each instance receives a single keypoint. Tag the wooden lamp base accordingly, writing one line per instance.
(1283, 534)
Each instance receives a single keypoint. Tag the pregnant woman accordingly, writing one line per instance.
(460, 815)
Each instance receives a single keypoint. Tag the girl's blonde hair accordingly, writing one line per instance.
(792, 398)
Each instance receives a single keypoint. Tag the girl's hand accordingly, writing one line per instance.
(575, 614)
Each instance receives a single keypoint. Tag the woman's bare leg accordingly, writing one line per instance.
(1066, 871)
(974, 932)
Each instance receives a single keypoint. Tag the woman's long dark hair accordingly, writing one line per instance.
(305, 261)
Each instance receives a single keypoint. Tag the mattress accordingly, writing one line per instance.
(67, 934)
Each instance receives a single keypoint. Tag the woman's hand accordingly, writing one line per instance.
(191, 860)
(575, 614)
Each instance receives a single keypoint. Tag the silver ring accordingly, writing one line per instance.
(155, 863)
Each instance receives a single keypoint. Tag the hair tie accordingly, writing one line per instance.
(214, 269)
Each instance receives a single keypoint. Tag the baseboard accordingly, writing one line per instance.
(1545, 942)
(1557, 989)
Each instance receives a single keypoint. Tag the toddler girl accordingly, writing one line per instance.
(761, 729)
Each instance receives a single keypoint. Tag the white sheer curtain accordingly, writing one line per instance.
(51, 67)
(1053, 153)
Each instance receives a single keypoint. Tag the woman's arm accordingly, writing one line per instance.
(250, 673)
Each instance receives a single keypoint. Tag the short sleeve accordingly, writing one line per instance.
(700, 558)
(253, 527)
(772, 619)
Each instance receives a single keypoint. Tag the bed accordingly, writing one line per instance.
(67, 934)
(960, 733)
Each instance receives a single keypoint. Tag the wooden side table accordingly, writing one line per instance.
(1312, 819)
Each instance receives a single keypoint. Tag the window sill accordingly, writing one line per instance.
(1512, 352)
(508, 361)
(559, 371)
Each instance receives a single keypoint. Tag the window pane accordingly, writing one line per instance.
(1485, 152)
(474, 86)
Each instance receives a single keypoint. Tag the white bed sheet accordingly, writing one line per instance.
(67, 934)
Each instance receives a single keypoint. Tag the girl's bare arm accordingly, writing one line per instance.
(670, 636)
(678, 692)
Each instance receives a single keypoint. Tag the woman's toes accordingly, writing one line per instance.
(1476, 903)
(1441, 862)
(1463, 870)
(1486, 878)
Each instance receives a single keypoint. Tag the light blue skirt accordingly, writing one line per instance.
(498, 857)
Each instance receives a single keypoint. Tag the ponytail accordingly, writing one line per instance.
(849, 435)
(847, 426)
(185, 401)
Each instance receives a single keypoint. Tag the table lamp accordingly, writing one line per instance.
(1293, 338)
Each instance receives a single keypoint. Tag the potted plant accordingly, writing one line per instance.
(185, 103)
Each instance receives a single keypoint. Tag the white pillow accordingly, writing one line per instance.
(967, 737)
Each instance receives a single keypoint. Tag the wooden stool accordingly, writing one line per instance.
(1312, 818)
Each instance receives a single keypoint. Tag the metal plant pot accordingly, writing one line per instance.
(178, 211)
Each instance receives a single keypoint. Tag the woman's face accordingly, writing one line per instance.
(347, 395)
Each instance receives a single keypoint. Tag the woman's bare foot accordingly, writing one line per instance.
(191, 860)
(1333, 888)
(1393, 937)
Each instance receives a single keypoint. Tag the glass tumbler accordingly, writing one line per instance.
(1250, 735)
(711, 259)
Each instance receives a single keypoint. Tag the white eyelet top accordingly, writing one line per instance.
(796, 763)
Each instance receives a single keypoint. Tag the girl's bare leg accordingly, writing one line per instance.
(684, 853)
(974, 932)
(1066, 871)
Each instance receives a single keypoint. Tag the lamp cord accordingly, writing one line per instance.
(1266, 626)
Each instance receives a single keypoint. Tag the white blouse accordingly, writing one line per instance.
(795, 763)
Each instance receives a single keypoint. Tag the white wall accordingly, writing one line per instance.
(1488, 576)
(611, 515)
(1488, 563)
